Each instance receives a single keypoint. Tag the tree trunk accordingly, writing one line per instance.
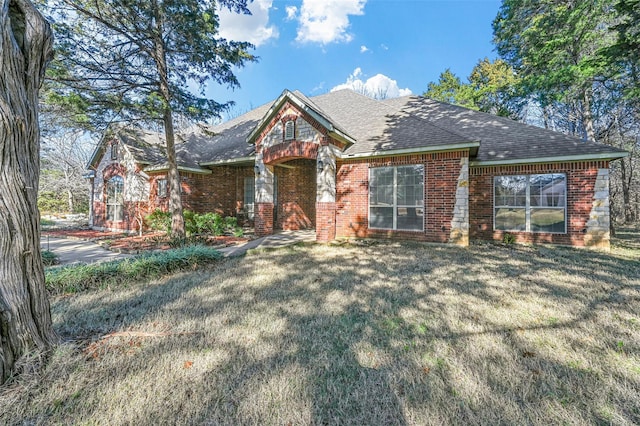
(587, 116)
(175, 190)
(25, 317)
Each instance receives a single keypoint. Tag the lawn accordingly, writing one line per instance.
(366, 333)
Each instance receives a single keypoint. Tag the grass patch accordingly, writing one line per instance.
(384, 333)
(49, 258)
(75, 278)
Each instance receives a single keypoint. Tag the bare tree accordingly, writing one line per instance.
(25, 317)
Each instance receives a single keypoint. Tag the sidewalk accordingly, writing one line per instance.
(78, 251)
(82, 251)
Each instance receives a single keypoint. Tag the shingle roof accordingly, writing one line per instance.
(501, 139)
(399, 124)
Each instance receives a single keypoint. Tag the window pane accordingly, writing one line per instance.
(510, 191)
(381, 217)
(548, 220)
(381, 186)
(410, 218)
(110, 213)
(510, 219)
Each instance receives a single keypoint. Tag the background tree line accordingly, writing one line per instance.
(570, 66)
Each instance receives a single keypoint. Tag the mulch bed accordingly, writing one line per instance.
(128, 243)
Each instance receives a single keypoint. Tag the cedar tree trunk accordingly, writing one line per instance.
(25, 319)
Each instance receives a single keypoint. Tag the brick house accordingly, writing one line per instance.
(347, 165)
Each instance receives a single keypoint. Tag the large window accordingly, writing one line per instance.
(531, 203)
(249, 196)
(396, 198)
(115, 199)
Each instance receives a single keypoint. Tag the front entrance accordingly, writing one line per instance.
(294, 195)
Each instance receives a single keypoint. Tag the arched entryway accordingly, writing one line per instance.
(295, 195)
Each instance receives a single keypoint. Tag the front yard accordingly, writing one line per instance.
(380, 333)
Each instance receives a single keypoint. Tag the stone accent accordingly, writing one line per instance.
(263, 219)
(264, 181)
(459, 233)
(325, 221)
(598, 225)
(326, 176)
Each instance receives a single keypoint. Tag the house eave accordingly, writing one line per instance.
(472, 146)
(158, 169)
(559, 159)
(231, 161)
(288, 95)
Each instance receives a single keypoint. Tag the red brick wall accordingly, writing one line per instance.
(222, 191)
(296, 195)
(441, 180)
(325, 221)
(289, 150)
(263, 219)
(581, 178)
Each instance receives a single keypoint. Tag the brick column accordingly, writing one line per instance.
(326, 193)
(325, 222)
(263, 219)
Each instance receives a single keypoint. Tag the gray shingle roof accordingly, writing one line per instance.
(400, 124)
(501, 139)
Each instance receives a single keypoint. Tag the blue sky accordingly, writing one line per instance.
(391, 46)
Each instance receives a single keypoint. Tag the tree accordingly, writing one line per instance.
(135, 59)
(553, 45)
(25, 318)
(451, 89)
(64, 159)
(492, 88)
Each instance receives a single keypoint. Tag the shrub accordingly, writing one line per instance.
(159, 220)
(75, 278)
(49, 258)
(508, 238)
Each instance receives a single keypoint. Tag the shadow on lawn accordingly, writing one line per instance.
(371, 337)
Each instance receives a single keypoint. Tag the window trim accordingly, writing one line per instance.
(527, 207)
(395, 204)
(164, 193)
(108, 203)
(114, 151)
(249, 208)
(290, 124)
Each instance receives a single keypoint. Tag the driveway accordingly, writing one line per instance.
(72, 251)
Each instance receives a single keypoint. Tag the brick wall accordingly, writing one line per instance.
(296, 195)
(441, 180)
(581, 180)
(325, 221)
(222, 191)
(263, 219)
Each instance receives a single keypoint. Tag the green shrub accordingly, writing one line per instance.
(75, 278)
(508, 238)
(159, 220)
(49, 258)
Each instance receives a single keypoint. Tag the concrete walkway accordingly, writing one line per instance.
(81, 251)
(280, 239)
(78, 251)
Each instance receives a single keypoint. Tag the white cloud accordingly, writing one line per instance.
(384, 46)
(253, 28)
(363, 49)
(292, 11)
(327, 21)
(378, 87)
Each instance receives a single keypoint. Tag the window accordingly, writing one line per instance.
(162, 188)
(249, 196)
(115, 212)
(530, 203)
(289, 130)
(114, 151)
(396, 198)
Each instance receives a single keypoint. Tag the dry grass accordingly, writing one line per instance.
(375, 334)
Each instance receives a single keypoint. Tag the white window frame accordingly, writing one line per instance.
(395, 204)
(289, 130)
(249, 207)
(527, 207)
(114, 151)
(115, 204)
(162, 189)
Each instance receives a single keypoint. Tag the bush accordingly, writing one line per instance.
(159, 220)
(75, 278)
(49, 258)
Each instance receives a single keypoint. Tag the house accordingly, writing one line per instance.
(350, 166)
